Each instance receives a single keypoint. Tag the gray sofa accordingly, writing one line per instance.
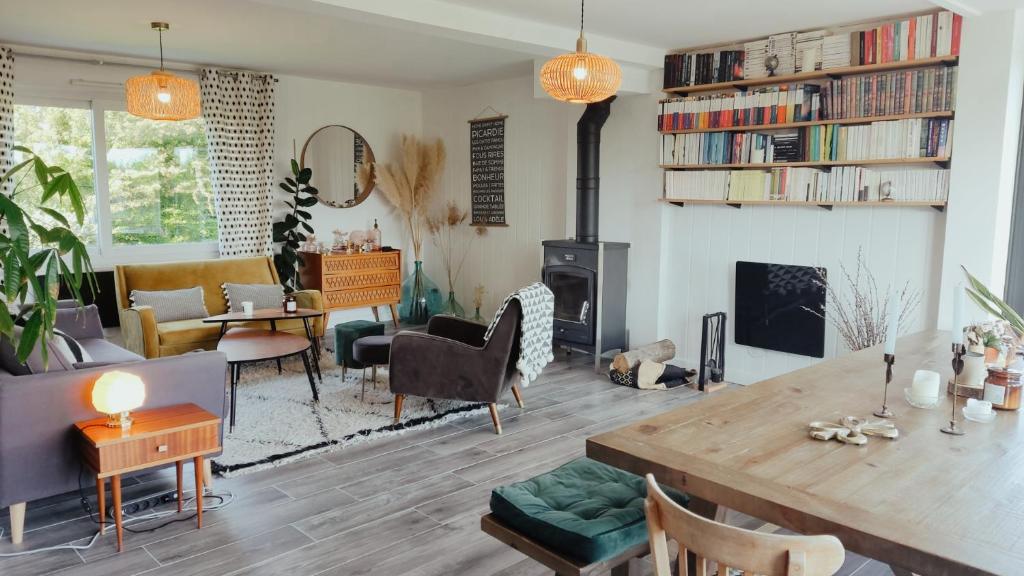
(39, 454)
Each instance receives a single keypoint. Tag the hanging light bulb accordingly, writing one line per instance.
(580, 77)
(161, 95)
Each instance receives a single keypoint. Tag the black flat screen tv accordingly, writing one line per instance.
(771, 308)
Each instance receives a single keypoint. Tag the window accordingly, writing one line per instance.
(159, 181)
(63, 137)
(151, 187)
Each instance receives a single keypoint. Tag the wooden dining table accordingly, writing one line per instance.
(926, 502)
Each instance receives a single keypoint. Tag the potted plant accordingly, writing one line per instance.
(38, 250)
(287, 232)
(1010, 329)
(411, 187)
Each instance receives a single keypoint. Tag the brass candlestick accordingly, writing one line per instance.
(958, 367)
(890, 359)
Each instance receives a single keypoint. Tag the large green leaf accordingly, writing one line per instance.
(306, 202)
(303, 214)
(55, 215)
(12, 275)
(15, 169)
(295, 167)
(304, 176)
(993, 304)
(42, 174)
(30, 334)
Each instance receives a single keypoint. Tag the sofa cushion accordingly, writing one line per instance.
(171, 305)
(262, 296)
(186, 331)
(584, 509)
(102, 352)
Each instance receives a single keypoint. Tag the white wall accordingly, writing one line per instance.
(988, 123)
(535, 166)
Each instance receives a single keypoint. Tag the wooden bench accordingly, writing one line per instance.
(624, 564)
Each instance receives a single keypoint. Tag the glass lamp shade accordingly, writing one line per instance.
(116, 392)
(161, 95)
(580, 77)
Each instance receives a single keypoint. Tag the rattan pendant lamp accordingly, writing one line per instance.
(161, 95)
(580, 77)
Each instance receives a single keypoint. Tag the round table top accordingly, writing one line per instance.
(263, 314)
(254, 344)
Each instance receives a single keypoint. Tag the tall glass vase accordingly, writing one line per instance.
(452, 306)
(421, 298)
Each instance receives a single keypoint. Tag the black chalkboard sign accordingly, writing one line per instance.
(487, 171)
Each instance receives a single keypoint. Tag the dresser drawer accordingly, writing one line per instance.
(138, 453)
(338, 263)
(374, 296)
(362, 279)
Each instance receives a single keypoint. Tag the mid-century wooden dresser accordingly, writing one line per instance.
(358, 280)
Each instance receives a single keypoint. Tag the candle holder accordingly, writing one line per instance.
(890, 359)
(958, 367)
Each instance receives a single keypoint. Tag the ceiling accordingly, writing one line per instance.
(415, 43)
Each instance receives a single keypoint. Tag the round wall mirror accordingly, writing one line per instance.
(342, 165)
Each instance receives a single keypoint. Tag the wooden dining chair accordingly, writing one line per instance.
(736, 548)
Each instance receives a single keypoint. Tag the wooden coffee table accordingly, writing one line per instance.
(273, 315)
(246, 345)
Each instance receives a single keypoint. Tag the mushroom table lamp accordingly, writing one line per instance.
(116, 394)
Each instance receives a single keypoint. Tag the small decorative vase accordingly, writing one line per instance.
(421, 298)
(452, 306)
(478, 318)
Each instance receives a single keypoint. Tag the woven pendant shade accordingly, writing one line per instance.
(162, 96)
(580, 77)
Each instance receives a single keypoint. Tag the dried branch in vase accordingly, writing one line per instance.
(478, 295)
(411, 185)
(446, 229)
(858, 310)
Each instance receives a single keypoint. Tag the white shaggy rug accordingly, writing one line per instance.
(278, 422)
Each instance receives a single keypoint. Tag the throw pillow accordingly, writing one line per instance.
(78, 354)
(58, 351)
(171, 305)
(261, 295)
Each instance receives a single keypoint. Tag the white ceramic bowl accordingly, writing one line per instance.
(917, 402)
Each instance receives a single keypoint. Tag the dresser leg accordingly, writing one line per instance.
(101, 500)
(115, 489)
(181, 493)
(198, 464)
(394, 314)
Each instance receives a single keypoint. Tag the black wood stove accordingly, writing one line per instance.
(587, 276)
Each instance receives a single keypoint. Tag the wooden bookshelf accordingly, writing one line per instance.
(814, 75)
(937, 205)
(804, 124)
(940, 160)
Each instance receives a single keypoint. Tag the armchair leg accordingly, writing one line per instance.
(399, 398)
(518, 395)
(17, 522)
(494, 417)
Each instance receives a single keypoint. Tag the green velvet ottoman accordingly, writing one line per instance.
(348, 332)
(584, 509)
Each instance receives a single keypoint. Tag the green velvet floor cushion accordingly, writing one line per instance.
(583, 509)
(348, 332)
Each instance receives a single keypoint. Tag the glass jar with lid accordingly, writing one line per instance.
(1003, 388)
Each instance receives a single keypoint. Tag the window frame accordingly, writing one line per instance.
(104, 253)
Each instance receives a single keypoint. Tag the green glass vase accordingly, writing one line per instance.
(452, 306)
(421, 298)
(478, 318)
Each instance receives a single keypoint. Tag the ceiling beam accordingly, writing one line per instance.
(473, 25)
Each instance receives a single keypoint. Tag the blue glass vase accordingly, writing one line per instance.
(421, 298)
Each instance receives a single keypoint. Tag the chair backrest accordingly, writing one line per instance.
(731, 547)
(506, 337)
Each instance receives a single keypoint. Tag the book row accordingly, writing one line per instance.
(883, 94)
(764, 106)
(913, 38)
(841, 184)
(911, 138)
(910, 39)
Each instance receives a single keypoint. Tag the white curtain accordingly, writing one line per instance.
(238, 108)
(6, 113)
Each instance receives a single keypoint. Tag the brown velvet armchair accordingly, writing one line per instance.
(452, 361)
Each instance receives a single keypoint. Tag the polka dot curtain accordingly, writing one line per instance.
(6, 114)
(238, 108)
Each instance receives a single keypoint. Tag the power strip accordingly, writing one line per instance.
(139, 505)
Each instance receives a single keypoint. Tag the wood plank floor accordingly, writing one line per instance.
(408, 504)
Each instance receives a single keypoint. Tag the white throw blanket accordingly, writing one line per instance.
(538, 304)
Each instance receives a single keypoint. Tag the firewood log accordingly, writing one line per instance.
(660, 351)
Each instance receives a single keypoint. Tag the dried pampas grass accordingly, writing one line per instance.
(445, 227)
(411, 184)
